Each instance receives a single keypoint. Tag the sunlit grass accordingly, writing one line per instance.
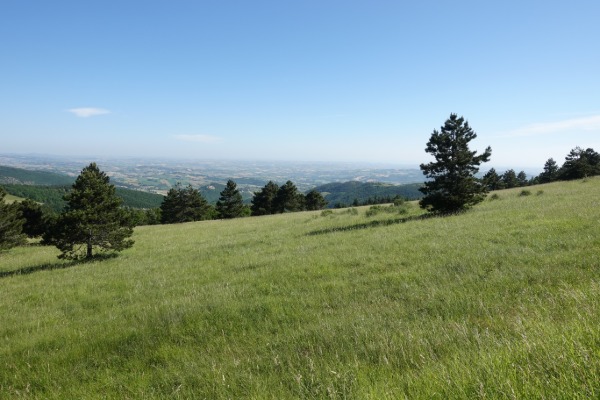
(500, 302)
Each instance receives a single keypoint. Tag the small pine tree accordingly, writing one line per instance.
(230, 204)
(522, 179)
(184, 205)
(93, 218)
(550, 173)
(11, 224)
(492, 180)
(453, 186)
(36, 219)
(509, 179)
(288, 199)
(315, 201)
(262, 202)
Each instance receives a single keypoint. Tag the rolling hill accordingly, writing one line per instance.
(500, 302)
(346, 193)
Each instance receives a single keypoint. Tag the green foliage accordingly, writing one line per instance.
(262, 202)
(288, 199)
(21, 176)
(492, 180)
(391, 209)
(525, 193)
(36, 220)
(11, 224)
(184, 205)
(315, 201)
(230, 204)
(522, 179)
(509, 179)
(550, 173)
(53, 196)
(579, 164)
(93, 218)
(452, 186)
(325, 213)
(341, 194)
(495, 196)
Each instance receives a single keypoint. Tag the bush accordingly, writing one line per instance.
(495, 196)
(525, 193)
(540, 192)
(325, 213)
(352, 211)
(392, 209)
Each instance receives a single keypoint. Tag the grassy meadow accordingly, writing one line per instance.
(499, 302)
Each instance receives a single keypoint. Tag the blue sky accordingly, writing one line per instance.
(327, 80)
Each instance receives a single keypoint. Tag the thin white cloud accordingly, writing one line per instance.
(86, 112)
(198, 138)
(570, 125)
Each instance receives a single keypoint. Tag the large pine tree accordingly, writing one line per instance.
(184, 205)
(11, 224)
(230, 204)
(262, 202)
(315, 201)
(453, 186)
(288, 199)
(92, 219)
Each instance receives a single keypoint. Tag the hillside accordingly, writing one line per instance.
(346, 193)
(500, 302)
(21, 176)
(52, 196)
(49, 188)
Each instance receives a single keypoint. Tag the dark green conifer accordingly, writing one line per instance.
(262, 202)
(92, 219)
(452, 186)
(315, 201)
(11, 224)
(230, 204)
(184, 205)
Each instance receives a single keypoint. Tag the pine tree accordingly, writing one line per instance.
(492, 180)
(453, 186)
(36, 219)
(288, 199)
(230, 204)
(184, 205)
(11, 224)
(262, 202)
(522, 178)
(580, 163)
(550, 173)
(509, 179)
(93, 218)
(315, 201)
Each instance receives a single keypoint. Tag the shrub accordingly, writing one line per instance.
(540, 192)
(495, 196)
(525, 193)
(325, 213)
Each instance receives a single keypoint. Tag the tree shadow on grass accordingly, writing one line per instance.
(371, 224)
(56, 265)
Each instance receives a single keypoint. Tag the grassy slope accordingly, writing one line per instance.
(501, 302)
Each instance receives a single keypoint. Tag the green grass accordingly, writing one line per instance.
(500, 302)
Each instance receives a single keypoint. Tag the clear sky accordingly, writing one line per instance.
(323, 80)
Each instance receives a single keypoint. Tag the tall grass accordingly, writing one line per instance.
(499, 302)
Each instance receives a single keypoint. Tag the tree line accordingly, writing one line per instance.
(95, 219)
(578, 164)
